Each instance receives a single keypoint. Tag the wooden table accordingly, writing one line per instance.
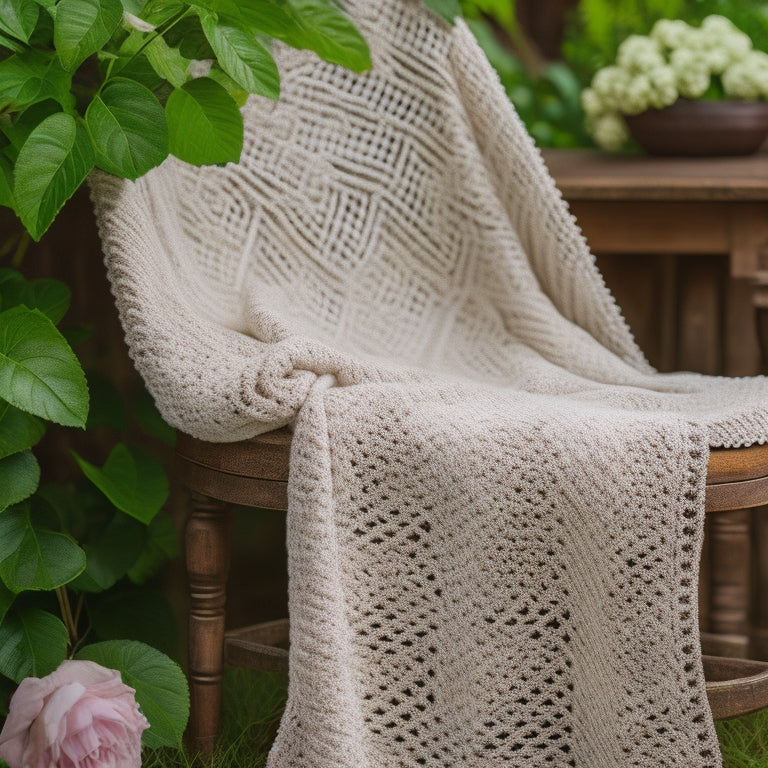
(638, 204)
(641, 205)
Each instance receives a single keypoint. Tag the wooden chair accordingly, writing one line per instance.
(255, 473)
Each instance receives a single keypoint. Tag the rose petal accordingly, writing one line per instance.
(49, 728)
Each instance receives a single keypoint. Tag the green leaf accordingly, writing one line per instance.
(82, 27)
(448, 9)
(32, 644)
(32, 76)
(12, 286)
(110, 554)
(61, 507)
(42, 36)
(128, 128)
(18, 18)
(26, 121)
(313, 24)
(133, 6)
(242, 58)
(135, 614)
(6, 41)
(160, 685)
(39, 373)
(139, 70)
(330, 34)
(19, 477)
(33, 558)
(167, 62)
(131, 479)
(52, 164)
(18, 430)
(204, 124)
(187, 35)
(50, 296)
(161, 546)
(236, 91)
(6, 600)
(158, 12)
(6, 185)
(271, 17)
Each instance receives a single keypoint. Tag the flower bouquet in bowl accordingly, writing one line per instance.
(682, 90)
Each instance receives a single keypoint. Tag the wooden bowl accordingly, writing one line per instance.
(699, 128)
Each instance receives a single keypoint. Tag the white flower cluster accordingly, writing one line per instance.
(675, 60)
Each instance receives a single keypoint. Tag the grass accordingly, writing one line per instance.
(251, 708)
(253, 703)
(744, 740)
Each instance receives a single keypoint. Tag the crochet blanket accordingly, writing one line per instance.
(496, 504)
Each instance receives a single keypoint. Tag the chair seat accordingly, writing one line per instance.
(254, 473)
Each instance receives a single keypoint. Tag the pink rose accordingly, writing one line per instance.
(80, 716)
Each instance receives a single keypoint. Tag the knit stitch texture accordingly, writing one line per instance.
(495, 504)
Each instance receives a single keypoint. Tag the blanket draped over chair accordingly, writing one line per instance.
(496, 504)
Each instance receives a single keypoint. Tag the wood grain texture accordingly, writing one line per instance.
(735, 686)
(729, 551)
(247, 473)
(591, 175)
(207, 557)
(260, 646)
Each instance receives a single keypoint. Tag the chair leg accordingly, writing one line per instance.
(730, 564)
(208, 553)
(760, 583)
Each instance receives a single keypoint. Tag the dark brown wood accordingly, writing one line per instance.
(233, 471)
(260, 646)
(729, 587)
(735, 686)
(264, 456)
(700, 343)
(250, 472)
(236, 489)
(760, 301)
(742, 353)
(207, 556)
(590, 175)
(724, 497)
(657, 226)
(759, 628)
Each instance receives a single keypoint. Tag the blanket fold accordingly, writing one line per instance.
(496, 504)
(465, 595)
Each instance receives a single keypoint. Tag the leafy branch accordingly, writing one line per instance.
(109, 84)
(75, 559)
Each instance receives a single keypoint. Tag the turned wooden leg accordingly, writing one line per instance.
(759, 625)
(208, 551)
(760, 522)
(729, 551)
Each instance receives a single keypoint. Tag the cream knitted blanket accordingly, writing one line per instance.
(496, 505)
